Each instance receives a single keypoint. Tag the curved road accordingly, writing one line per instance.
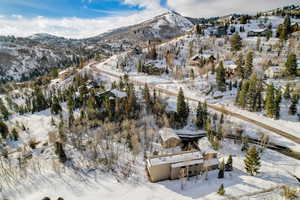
(221, 109)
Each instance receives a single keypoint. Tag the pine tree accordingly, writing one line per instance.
(242, 101)
(3, 129)
(293, 106)
(4, 110)
(220, 77)
(39, 101)
(291, 65)
(198, 30)
(287, 92)
(253, 97)
(221, 170)
(287, 24)
(221, 190)
(270, 102)
(236, 42)
(228, 165)
(131, 102)
(248, 65)
(59, 151)
(70, 104)
(182, 108)
(55, 106)
(252, 161)
(147, 97)
(199, 116)
(71, 119)
(277, 104)
(15, 134)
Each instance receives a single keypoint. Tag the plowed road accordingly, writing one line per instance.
(218, 108)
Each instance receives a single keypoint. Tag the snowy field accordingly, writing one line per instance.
(95, 185)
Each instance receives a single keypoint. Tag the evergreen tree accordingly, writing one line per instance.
(248, 65)
(270, 102)
(252, 161)
(59, 151)
(201, 116)
(182, 108)
(131, 103)
(55, 106)
(293, 106)
(147, 96)
(221, 170)
(3, 110)
(228, 165)
(291, 65)
(220, 77)
(39, 102)
(198, 30)
(221, 190)
(287, 92)
(3, 129)
(242, 101)
(277, 104)
(71, 119)
(70, 104)
(236, 42)
(15, 134)
(287, 24)
(253, 97)
(91, 106)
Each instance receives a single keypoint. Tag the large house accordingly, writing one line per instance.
(182, 164)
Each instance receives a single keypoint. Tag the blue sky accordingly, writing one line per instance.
(68, 8)
(86, 18)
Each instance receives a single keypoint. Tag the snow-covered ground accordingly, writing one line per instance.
(97, 185)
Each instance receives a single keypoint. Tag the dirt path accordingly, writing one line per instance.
(221, 109)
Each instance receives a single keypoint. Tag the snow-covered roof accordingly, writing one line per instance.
(175, 158)
(118, 93)
(229, 64)
(167, 133)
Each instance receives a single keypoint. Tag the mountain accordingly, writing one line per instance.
(24, 58)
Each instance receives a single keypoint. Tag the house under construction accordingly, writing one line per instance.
(181, 164)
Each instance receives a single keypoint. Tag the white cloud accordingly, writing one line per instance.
(76, 27)
(208, 8)
(80, 28)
